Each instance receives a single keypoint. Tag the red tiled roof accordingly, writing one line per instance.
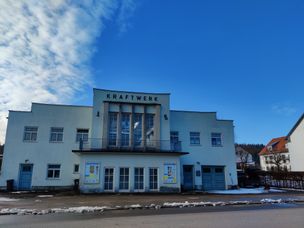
(278, 146)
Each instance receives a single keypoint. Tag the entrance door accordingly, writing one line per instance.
(188, 177)
(25, 176)
(213, 177)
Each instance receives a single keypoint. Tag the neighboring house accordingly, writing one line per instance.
(243, 158)
(275, 155)
(296, 145)
(125, 142)
(247, 155)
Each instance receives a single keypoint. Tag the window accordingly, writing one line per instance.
(124, 178)
(30, 134)
(137, 129)
(112, 128)
(53, 171)
(82, 134)
(149, 121)
(109, 179)
(138, 178)
(216, 139)
(125, 129)
(195, 138)
(76, 168)
(56, 134)
(219, 170)
(153, 178)
(174, 141)
(206, 170)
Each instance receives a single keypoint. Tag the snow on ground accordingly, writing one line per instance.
(45, 196)
(5, 199)
(245, 191)
(100, 209)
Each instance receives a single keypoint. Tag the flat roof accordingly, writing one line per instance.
(120, 91)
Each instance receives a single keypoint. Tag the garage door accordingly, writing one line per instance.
(213, 177)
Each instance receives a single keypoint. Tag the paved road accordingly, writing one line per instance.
(285, 215)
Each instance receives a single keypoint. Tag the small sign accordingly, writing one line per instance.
(91, 175)
(169, 174)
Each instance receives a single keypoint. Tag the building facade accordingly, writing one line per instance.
(275, 155)
(124, 142)
(296, 145)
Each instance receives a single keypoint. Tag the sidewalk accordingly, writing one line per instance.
(46, 202)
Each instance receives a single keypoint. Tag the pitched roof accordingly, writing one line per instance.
(296, 125)
(278, 145)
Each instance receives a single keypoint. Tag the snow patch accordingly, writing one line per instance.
(245, 191)
(45, 196)
(5, 199)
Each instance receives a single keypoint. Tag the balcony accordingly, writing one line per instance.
(98, 144)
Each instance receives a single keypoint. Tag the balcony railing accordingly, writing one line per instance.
(93, 144)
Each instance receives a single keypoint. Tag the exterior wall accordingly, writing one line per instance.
(296, 148)
(205, 154)
(101, 96)
(129, 161)
(43, 152)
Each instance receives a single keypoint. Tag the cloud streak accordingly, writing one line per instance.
(45, 47)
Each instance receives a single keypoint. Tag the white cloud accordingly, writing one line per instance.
(45, 47)
(283, 109)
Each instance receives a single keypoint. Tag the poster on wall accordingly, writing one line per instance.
(91, 175)
(169, 174)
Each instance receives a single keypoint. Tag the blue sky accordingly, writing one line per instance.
(243, 59)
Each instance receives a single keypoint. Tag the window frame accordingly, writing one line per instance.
(123, 189)
(104, 179)
(75, 167)
(31, 134)
(157, 179)
(81, 134)
(143, 180)
(56, 133)
(213, 137)
(53, 169)
(193, 139)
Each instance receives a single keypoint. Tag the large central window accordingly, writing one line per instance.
(149, 121)
(112, 128)
(137, 129)
(125, 129)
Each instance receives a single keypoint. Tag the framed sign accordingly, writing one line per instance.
(169, 174)
(91, 175)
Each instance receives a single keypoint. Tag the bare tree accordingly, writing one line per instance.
(244, 158)
(277, 160)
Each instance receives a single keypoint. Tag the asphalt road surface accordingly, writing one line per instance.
(284, 215)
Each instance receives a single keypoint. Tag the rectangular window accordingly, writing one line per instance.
(138, 178)
(53, 171)
(76, 168)
(195, 138)
(82, 134)
(30, 134)
(216, 139)
(56, 134)
(149, 122)
(174, 141)
(112, 128)
(153, 179)
(125, 129)
(109, 179)
(124, 178)
(137, 129)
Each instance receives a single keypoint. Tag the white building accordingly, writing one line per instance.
(275, 155)
(125, 142)
(296, 145)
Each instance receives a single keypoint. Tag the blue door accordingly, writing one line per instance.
(213, 177)
(188, 177)
(25, 177)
